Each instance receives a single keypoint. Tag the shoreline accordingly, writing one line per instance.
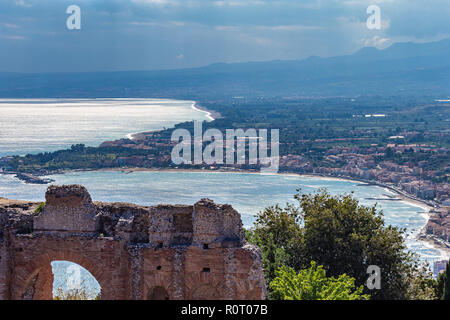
(210, 114)
(213, 115)
(434, 242)
(401, 195)
(420, 236)
(424, 204)
(128, 170)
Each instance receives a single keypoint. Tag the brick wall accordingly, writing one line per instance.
(134, 252)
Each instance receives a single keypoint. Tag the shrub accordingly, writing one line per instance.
(39, 208)
(313, 284)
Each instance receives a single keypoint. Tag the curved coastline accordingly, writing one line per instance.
(212, 115)
(416, 202)
(441, 247)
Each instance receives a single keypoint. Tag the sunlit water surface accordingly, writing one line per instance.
(33, 126)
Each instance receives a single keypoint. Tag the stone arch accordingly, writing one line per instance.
(157, 293)
(38, 270)
(40, 286)
(204, 286)
(72, 228)
(159, 281)
(69, 278)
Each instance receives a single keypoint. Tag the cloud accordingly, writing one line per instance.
(158, 34)
(165, 24)
(258, 40)
(12, 37)
(24, 3)
(154, 2)
(241, 3)
(376, 41)
(10, 25)
(289, 28)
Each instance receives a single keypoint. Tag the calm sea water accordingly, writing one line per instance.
(31, 126)
(248, 193)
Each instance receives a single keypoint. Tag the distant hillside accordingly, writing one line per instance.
(402, 69)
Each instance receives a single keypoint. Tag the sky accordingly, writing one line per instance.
(170, 34)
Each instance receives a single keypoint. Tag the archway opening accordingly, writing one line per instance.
(157, 293)
(73, 282)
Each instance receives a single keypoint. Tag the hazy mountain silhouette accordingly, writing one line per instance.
(403, 68)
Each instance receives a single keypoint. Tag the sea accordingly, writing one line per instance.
(41, 125)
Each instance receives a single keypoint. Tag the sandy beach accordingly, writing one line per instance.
(213, 115)
(210, 114)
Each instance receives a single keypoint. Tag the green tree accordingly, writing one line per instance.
(342, 236)
(422, 286)
(443, 284)
(279, 228)
(346, 237)
(313, 284)
(273, 255)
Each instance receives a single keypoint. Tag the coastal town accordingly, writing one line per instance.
(152, 150)
(408, 180)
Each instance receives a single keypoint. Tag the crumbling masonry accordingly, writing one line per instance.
(134, 252)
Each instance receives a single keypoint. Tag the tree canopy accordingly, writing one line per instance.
(344, 237)
(313, 284)
(443, 284)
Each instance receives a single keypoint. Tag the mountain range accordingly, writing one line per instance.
(401, 69)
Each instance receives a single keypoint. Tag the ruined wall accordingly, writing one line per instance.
(134, 252)
(4, 271)
(67, 209)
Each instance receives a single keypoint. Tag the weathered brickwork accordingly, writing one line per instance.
(134, 252)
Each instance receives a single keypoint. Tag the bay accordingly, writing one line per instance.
(248, 193)
(43, 125)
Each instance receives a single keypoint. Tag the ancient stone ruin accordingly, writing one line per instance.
(134, 252)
